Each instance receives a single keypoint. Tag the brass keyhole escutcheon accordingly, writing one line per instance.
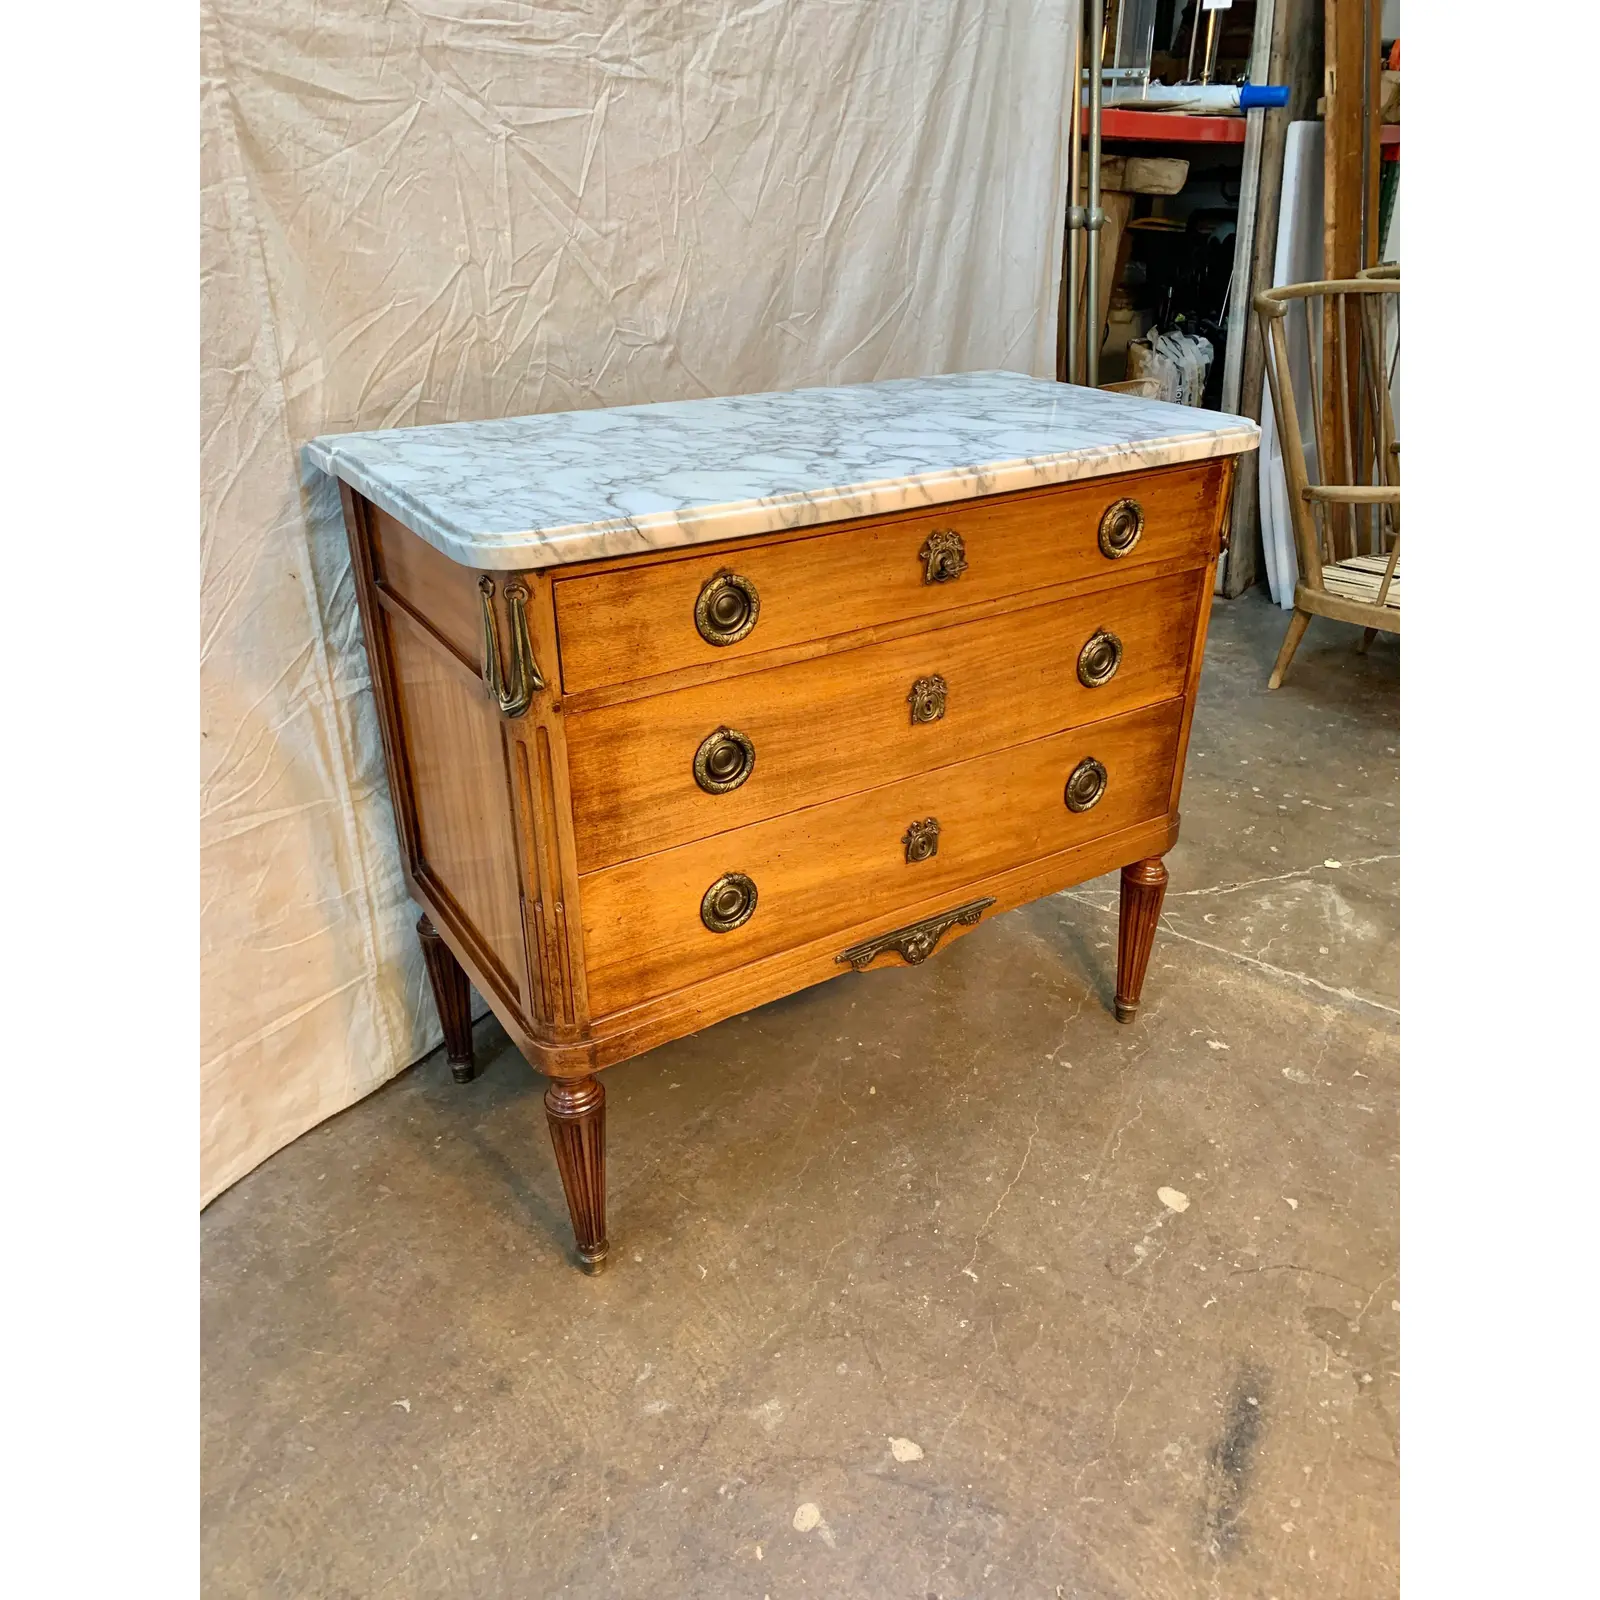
(1099, 659)
(1087, 785)
(927, 699)
(727, 608)
(943, 555)
(729, 903)
(1120, 527)
(921, 840)
(723, 761)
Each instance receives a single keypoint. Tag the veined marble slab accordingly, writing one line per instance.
(578, 485)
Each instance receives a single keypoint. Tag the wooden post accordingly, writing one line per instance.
(1346, 186)
(1295, 61)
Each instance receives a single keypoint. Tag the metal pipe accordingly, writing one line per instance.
(1194, 39)
(1074, 207)
(1095, 221)
(1211, 48)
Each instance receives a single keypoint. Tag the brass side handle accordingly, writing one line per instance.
(729, 903)
(723, 761)
(921, 840)
(1087, 785)
(1121, 524)
(515, 698)
(915, 942)
(943, 556)
(927, 699)
(726, 609)
(1099, 659)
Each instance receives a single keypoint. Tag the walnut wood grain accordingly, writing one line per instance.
(826, 865)
(828, 728)
(576, 1111)
(635, 621)
(545, 815)
(1197, 643)
(430, 583)
(1144, 886)
(692, 677)
(700, 1004)
(460, 794)
(452, 995)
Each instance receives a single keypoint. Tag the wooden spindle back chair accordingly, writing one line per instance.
(1341, 448)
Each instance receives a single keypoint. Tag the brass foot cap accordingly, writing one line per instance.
(464, 1071)
(1127, 1012)
(594, 1261)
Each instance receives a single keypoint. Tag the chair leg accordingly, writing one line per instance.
(1291, 642)
(452, 994)
(1367, 636)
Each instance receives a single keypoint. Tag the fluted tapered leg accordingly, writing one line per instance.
(1144, 886)
(576, 1108)
(452, 994)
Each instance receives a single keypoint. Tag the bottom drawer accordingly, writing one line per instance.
(645, 922)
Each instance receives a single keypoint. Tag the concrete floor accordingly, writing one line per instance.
(929, 1282)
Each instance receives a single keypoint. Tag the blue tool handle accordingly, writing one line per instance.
(1254, 96)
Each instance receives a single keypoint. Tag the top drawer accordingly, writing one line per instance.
(637, 621)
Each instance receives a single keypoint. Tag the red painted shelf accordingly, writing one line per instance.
(1173, 127)
(1118, 122)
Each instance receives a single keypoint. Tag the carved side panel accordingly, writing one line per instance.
(456, 767)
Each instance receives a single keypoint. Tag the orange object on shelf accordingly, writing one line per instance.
(1174, 127)
(1394, 56)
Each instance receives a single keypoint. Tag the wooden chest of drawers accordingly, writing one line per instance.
(640, 793)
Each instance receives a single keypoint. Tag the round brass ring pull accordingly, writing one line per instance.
(1087, 785)
(1099, 659)
(723, 761)
(1120, 527)
(729, 903)
(727, 608)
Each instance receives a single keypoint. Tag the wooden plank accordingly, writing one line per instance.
(1296, 62)
(1344, 194)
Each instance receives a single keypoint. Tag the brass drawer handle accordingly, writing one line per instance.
(723, 761)
(525, 678)
(915, 942)
(1120, 528)
(1099, 659)
(943, 555)
(729, 903)
(921, 841)
(727, 608)
(927, 699)
(1087, 785)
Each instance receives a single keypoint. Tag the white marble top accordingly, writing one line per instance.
(577, 485)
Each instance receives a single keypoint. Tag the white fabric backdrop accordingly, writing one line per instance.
(462, 208)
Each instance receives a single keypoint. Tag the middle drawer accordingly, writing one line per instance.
(817, 730)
